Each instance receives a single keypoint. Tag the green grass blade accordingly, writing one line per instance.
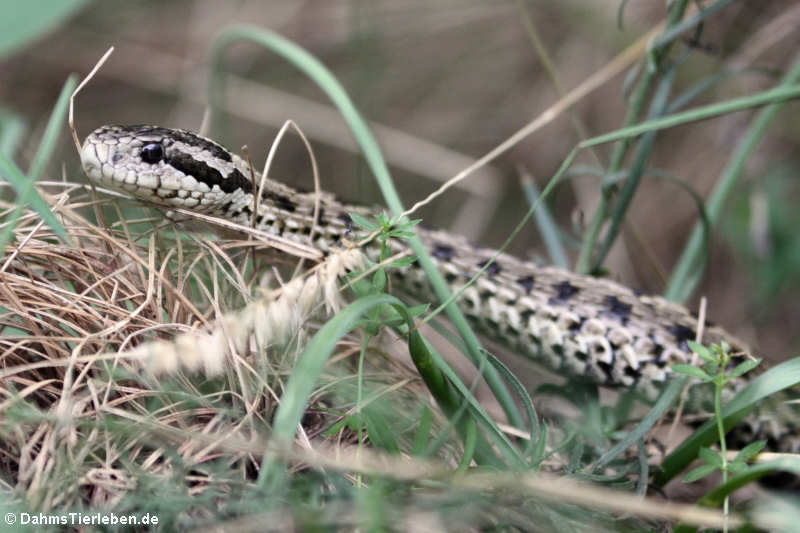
(657, 108)
(301, 383)
(22, 22)
(527, 403)
(705, 85)
(648, 75)
(55, 125)
(773, 96)
(776, 95)
(423, 434)
(688, 271)
(26, 193)
(469, 446)
(674, 31)
(312, 361)
(12, 131)
(665, 401)
(22, 184)
(454, 407)
(547, 227)
(715, 497)
(510, 452)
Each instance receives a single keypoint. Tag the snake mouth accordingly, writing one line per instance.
(91, 164)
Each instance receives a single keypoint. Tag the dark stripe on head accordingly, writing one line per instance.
(205, 173)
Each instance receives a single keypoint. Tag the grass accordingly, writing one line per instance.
(146, 370)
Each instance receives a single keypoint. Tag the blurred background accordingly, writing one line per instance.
(443, 83)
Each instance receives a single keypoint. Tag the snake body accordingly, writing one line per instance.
(576, 325)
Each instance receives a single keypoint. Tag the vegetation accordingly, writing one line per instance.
(150, 370)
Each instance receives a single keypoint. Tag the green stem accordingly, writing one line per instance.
(658, 106)
(585, 264)
(686, 275)
(722, 445)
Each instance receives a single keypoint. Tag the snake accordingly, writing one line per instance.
(578, 326)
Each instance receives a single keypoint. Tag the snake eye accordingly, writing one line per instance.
(152, 153)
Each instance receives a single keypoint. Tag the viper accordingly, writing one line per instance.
(579, 326)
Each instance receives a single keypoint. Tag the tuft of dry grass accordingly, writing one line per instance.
(133, 355)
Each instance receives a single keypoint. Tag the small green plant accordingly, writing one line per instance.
(387, 230)
(714, 370)
(366, 416)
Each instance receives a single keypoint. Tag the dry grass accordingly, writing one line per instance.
(131, 354)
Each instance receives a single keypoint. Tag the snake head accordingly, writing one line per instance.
(171, 168)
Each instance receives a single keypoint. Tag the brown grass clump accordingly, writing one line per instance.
(131, 353)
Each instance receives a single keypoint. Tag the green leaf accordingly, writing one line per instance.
(404, 230)
(750, 451)
(379, 280)
(380, 434)
(417, 310)
(453, 401)
(710, 457)
(693, 371)
(391, 318)
(400, 234)
(688, 272)
(403, 262)
(354, 422)
(737, 466)
(702, 351)
(523, 395)
(699, 473)
(408, 224)
(787, 463)
(363, 222)
(337, 427)
(744, 368)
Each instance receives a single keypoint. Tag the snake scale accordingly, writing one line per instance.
(575, 325)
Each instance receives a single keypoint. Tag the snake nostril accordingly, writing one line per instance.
(116, 157)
